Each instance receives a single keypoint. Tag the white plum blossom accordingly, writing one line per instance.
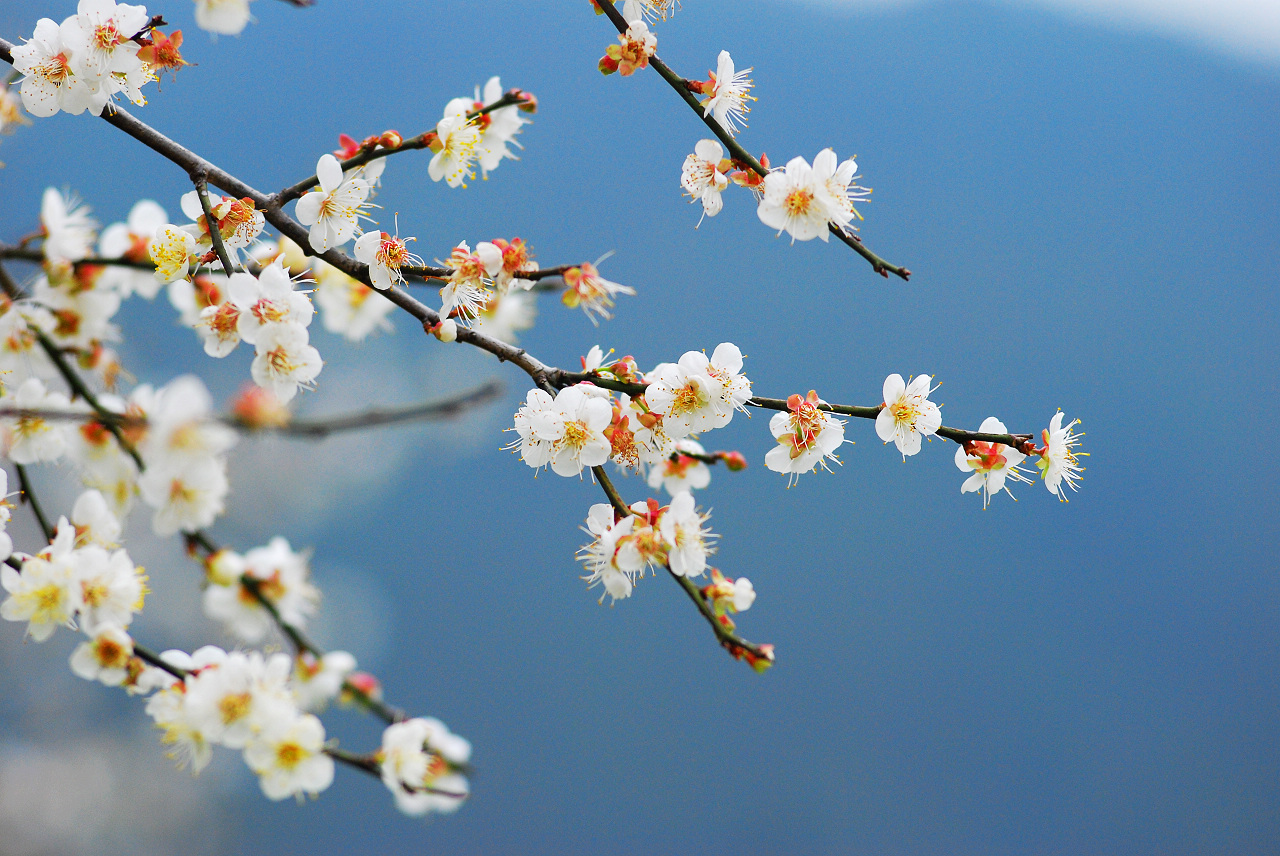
(468, 288)
(284, 361)
(807, 436)
(990, 464)
(699, 393)
(727, 100)
(68, 228)
(316, 682)
(173, 250)
(50, 84)
(458, 142)
(185, 499)
(238, 221)
(112, 587)
(536, 412)
(688, 542)
(288, 756)
(792, 202)
(836, 191)
(681, 472)
(702, 177)
(31, 439)
(266, 299)
(653, 10)
(115, 476)
(181, 427)
(498, 128)
(385, 255)
(594, 293)
(600, 557)
(82, 310)
(189, 745)
(729, 595)
(283, 579)
(132, 241)
(219, 327)
(908, 414)
(105, 656)
(725, 369)
(567, 432)
(419, 758)
(225, 17)
(231, 704)
(170, 710)
(1058, 463)
(20, 351)
(94, 521)
(334, 210)
(45, 594)
(348, 307)
(99, 39)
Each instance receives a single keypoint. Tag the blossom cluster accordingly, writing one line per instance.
(584, 425)
(468, 134)
(171, 429)
(264, 705)
(84, 62)
(276, 573)
(80, 579)
(803, 200)
(649, 536)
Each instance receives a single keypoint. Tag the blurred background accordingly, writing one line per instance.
(1086, 194)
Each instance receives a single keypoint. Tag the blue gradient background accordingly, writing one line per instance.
(1092, 222)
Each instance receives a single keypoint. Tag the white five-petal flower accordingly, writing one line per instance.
(332, 211)
(908, 414)
(990, 464)
(702, 178)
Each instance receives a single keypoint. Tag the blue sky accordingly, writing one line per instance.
(1090, 215)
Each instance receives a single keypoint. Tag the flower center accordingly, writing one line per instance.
(55, 69)
(234, 707)
(290, 755)
(797, 202)
(905, 413)
(392, 253)
(110, 653)
(95, 593)
(106, 36)
(687, 399)
(575, 435)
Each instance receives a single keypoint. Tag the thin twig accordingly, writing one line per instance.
(29, 497)
(508, 99)
(307, 429)
(211, 223)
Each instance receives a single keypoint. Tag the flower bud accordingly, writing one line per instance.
(530, 102)
(391, 139)
(445, 331)
(734, 461)
(224, 568)
(257, 408)
(361, 682)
